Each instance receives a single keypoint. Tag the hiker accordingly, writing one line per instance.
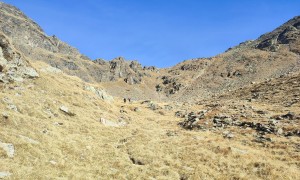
(129, 100)
(124, 99)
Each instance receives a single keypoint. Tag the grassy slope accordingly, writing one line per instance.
(85, 149)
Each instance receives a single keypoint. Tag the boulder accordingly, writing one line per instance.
(101, 93)
(13, 66)
(30, 72)
(66, 111)
(109, 123)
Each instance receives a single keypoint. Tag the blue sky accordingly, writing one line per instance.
(157, 32)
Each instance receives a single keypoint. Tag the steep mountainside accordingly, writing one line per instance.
(272, 55)
(30, 39)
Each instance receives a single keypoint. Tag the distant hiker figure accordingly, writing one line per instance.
(129, 100)
(124, 99)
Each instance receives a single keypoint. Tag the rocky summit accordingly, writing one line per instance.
(64, 116)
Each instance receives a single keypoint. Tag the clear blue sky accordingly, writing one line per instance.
(157, 32)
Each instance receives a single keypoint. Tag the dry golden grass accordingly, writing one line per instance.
(151, 146)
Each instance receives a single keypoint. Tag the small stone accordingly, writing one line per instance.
(45, 131)
(228, 135)
(263, 139)
(66, 110)
(5, 115)
(106, 122)
(58, 124)
(279, 131)
(53, 162)
(171, 133)
(8, 148)
(4, 174)
(12, 107)
(261, 112)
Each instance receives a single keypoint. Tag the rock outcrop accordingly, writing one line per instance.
(286, 35)
(13, 66)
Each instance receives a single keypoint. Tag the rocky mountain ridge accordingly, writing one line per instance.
(190, 80)
(29, 38)
(272, 55)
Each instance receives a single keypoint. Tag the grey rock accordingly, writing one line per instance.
(30, 72)
(28, 140)
(222, 121)
(192, 120)
(5, 115)
(153, 106)
(53, 162)
(100, 93)
(51, 69)
(180, 114)
(4, 175)
(66, 111)
(12, 107)
(136, 109)
(8, 148)
(228, 135)
(263, 139)
(279, 131)
(109, 123)
(58, 123)
(171, 133)
(289, 115)
(13, 66)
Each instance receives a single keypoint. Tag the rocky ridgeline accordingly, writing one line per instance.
(28, 35)
(272, 55)
(285, 35)
(13, 66)
(30, 39)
